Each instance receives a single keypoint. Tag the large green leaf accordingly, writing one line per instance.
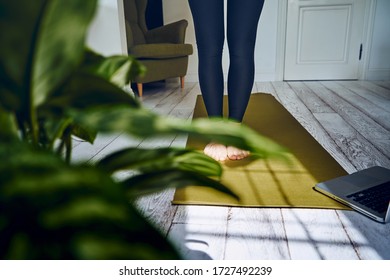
(19, 28)
(150, 160)
(117, 69)
(86, 91)
(144, 123)
(50, 210)
(83, 90)
(151, 182)
(84, 133)
(59, 44)
(43, 44)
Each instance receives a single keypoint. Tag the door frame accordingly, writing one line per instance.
(122, 26)
(369, 18)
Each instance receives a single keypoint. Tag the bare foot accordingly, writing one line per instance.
(220, 152)
(234, 153)
(216, 151)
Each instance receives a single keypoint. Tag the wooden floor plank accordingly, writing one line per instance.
(372, 131)
(157, 92)
(166, 105)
(199, 232)
(309, 98)
(305, 117)
(158, 210)
(310, 236)
(199, 241)
(357, 149)
(384, 84)
(376, 113)
(370, 239)
(256, 234)
(121, 142)
(267, 87)
(379, 87)
(86, 151)
(366, 93)
(189, 98)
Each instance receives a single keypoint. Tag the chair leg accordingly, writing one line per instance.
(182, 81)
(140, 89)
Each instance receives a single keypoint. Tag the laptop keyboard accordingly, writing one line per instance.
(376, 198)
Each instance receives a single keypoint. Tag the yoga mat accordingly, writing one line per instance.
(269, 182)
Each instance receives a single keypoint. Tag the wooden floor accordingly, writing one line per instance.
(350, 119)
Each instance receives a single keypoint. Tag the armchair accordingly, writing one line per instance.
(162, 50)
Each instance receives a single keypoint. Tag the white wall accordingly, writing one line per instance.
(105, 32)
(378, 65)
(265, 58)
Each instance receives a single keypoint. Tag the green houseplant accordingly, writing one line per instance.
(51, 89)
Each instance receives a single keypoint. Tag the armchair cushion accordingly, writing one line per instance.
(136, 26)
(137, 34)
(160, 51)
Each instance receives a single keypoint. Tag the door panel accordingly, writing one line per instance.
(323, 39)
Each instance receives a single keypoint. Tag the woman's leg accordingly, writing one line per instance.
(208, 16)
(242, 21)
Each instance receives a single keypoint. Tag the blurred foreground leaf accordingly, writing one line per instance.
(56, 211)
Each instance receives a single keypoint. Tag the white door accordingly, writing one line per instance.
(323, 39)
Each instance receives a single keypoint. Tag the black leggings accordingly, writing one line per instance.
(242, 20)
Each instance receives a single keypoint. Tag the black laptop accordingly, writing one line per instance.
(366, 191)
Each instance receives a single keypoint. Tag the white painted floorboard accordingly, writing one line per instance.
(350, 119)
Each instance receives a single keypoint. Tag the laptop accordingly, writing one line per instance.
(366, 191)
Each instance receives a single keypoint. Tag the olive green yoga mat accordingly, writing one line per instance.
(270, 183)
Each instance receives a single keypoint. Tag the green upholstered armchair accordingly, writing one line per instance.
(162, 50)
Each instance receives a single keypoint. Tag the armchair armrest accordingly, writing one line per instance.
(171, 33)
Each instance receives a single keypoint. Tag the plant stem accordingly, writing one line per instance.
(33, 120)
(60, 132)
(60, 147)
(68, 149)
